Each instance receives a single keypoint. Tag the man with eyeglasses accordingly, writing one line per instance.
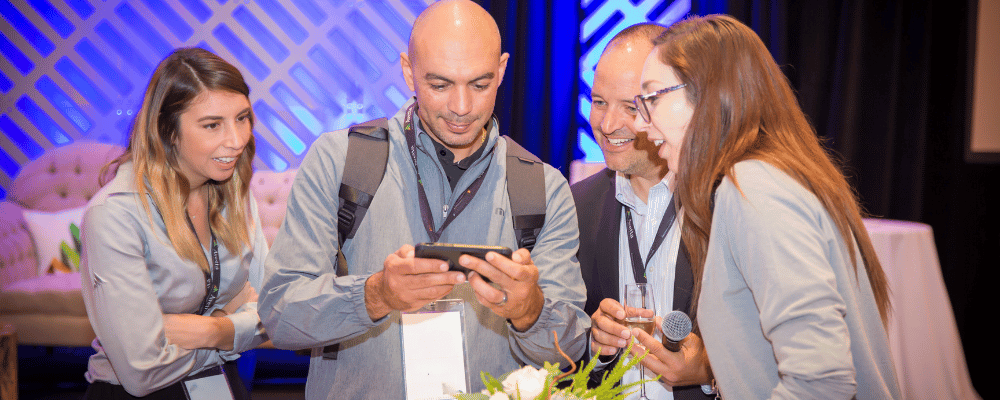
(633, 194)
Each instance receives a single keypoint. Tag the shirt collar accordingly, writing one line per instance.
(626, 195)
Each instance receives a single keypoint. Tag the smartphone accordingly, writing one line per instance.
(450, 253)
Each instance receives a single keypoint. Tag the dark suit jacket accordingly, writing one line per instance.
(599, 215)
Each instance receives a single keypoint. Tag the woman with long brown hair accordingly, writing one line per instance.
(792, 301)
(172, 308)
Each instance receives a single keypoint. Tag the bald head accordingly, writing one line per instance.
(638, 35)
(454, 66)
(454, 24)
(612, 113)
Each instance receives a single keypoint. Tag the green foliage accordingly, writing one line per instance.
(607, 390)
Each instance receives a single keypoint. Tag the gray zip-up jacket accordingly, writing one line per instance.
(305, 305)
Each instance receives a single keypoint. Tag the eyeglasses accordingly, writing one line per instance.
(640, 100)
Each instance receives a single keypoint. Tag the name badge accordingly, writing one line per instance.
(434, 351)
(210, 384)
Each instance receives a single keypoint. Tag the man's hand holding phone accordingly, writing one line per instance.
(407, 283)
(518, 298)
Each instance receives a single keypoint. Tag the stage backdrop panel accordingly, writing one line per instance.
(77, 69)
(602, 21)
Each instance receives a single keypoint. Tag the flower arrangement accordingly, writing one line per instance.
(530, 383)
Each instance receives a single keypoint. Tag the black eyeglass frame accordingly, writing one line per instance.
(640, 100)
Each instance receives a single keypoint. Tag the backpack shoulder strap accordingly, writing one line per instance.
(367, 155)
(526, 190)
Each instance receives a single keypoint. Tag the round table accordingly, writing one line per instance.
(926, 348)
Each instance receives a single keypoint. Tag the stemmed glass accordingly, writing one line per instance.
(639, 313)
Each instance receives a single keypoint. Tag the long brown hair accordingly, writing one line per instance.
(176, 82)
(744, 108)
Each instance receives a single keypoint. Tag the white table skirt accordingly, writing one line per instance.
(926, 348)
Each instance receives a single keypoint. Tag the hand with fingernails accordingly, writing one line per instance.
(606, 332)
(406, 283)
(514, 294)
(689, 366)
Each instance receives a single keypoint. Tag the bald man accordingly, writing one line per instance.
(445, 157)
(636, 181)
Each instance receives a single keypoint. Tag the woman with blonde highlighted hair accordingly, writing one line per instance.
(172, 245)
(792, 301)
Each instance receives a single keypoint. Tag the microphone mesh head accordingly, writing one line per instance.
(676, 326)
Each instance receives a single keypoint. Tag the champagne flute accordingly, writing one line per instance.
(639, 312)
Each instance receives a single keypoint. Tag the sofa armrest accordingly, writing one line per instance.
(18, 259)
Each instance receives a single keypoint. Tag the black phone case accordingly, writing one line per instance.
(450, 253)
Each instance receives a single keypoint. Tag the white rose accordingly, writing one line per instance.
(527, 381)
(499, 396)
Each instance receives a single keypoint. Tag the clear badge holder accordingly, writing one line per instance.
(433, 343)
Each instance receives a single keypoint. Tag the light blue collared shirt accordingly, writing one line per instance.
(660, 269)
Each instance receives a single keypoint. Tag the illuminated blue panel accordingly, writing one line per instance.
(124, 126)
(415, 6)
(9, 166)
(269, 155)
(242, 53)
(56, 20)
(350, 52)
(169, 17)
(318, 93)
(100, 64)
(285, 21)
(602, 20)
(5, 83)
(295, 106)
(389, 14)
(143, 29)
(206, 46)
(264, 37)
(61, 102)
(315, 14)
(124, 48)
(395, 96)
(20, 138)
(280, 128)
(373, 36)
(591, 150)
(41, 120)
(81, 7)
(82, 84)
(198, 9)
(15, 56)
(326, 64)
(27, 29)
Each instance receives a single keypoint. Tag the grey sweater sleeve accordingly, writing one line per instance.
(303, 303)
(560, 280)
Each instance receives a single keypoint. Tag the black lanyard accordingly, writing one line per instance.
(638, 266)
(425, 209)
(212, 277)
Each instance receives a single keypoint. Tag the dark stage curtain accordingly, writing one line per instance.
(886, 83)
(537, 102)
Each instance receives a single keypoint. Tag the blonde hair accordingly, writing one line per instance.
(176, 82)
(744, 108)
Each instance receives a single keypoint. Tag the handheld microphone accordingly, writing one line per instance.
(676, 326)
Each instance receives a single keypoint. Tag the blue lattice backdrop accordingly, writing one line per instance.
(76, 69)
(603, 20)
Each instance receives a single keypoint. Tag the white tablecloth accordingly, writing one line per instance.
(925, 344)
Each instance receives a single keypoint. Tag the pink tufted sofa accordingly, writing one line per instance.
(48, 310)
